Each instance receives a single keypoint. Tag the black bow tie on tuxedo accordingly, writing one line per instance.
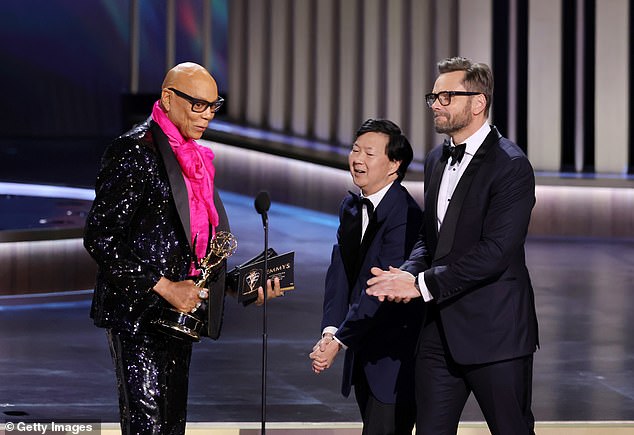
(455, 152)
(360, 200)
(368, 205)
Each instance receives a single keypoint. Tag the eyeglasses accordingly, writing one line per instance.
(444, 97)
(199, 106)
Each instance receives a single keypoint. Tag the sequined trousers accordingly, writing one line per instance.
(152, 378)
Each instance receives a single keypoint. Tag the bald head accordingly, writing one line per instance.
(184, 72)
(196, 83)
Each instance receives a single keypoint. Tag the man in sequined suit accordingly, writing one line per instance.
(154, 212)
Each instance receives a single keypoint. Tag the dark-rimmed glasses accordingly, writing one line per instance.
(198, 105)
(444, 97)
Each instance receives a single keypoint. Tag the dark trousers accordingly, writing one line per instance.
(152, 379)
(502, 390)
(382, 418)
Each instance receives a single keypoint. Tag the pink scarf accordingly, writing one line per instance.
(196, 162)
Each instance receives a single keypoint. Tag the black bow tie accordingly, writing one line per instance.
(455, 152)
(360, 200)
(368, 205)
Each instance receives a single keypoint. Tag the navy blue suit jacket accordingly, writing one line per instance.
(475, 265)
(381, 337)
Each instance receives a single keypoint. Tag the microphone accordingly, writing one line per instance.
(262, 205)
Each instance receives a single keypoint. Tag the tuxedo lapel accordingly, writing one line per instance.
(223, 220)
(350, 237)
(431, 202)
(448, 228)
(373, 227)
(377, 220)
(175, 175)
(216, 304)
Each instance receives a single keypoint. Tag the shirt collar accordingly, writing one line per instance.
(376, 197)
(476, 139)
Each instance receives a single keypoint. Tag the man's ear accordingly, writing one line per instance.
(394, 165)
(479, 104)
(165, 99)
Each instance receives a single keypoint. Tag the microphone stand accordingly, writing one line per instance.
(265, 221)
(262, 204)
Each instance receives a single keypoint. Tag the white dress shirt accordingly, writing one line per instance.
(450, 179)
(375, 199)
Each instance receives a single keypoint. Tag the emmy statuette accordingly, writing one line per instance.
(188, 326)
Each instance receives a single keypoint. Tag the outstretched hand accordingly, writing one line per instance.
(394, 284)
(271, 291)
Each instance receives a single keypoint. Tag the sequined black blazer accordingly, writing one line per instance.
(138, 230)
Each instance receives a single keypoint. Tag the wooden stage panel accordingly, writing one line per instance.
(565, 207)
(45, 266)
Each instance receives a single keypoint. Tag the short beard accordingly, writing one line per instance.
(455, 123)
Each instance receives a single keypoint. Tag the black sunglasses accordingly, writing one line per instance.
(444, 97)
(198, 105)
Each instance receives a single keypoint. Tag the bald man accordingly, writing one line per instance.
(155, 211)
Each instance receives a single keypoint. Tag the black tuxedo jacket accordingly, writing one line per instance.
(475, 265)
(381, 337)
(138, 230)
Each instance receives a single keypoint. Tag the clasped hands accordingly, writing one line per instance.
(394, 285)
(324, 353)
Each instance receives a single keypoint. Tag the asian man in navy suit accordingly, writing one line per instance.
(377, 228)
(468, 264)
